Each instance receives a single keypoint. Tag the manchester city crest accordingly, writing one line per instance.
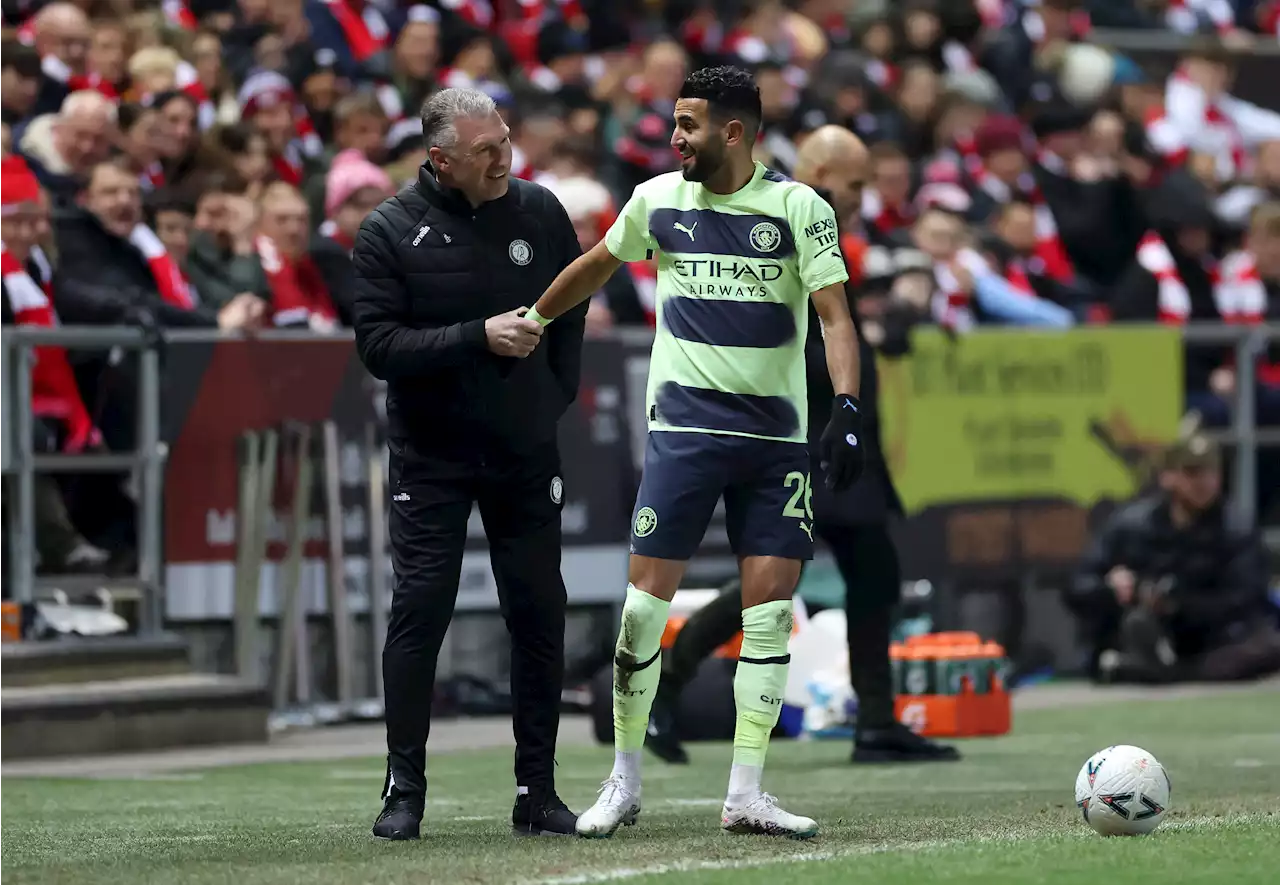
(765, 237)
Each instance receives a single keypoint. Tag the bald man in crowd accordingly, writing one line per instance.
(853, 524)
(62, 35)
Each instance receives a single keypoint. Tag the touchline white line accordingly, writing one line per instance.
(592, 877)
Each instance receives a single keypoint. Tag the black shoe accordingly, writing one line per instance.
(897, 743)
(542, 815)
(401, 817)
(661, 737)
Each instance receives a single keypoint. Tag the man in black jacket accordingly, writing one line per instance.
(1171, 590)
(474, 395)
(107, 272)
(854, 523)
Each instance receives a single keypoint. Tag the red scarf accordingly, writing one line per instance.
(1238, 293)
(55, 69)
(290, 164)
(1183, 15)
(288, 167)
(54, 393)
(152, 178)
(952, 306)
(535, 10)
(298, 293)
(1049, 248)
(268, 89)
(1015, 274)
(1238, 290)
(1173, 301)
(363, 26)
(1242, 298)
(1164, 137)
(965, 146)
(1269, 18)
(1033, 26)
(178, 14)
(329, 230)
(703, 33)
(886, 218)
(1232, 159)
(992, 13)
(170, 281)
(883, 74)
(188, 80)
(478, 13)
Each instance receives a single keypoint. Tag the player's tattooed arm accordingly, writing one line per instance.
(840, 337)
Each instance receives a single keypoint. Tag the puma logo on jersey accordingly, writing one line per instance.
(688, 230)
(807, 529)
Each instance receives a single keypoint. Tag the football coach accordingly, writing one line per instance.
(474, 396)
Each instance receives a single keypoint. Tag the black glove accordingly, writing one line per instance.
(840, 449)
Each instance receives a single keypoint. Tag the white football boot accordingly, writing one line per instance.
(617, 806)
(762, 816)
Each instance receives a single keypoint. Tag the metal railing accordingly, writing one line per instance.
(1244, 433)
(145, 463)
(22, 464)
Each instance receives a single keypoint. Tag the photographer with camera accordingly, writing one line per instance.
(1170, 590)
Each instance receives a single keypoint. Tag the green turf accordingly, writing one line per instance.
(1004, 816)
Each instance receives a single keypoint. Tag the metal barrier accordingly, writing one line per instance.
(1244, 434)
(145, 462)
(295, 698)
(261, 447)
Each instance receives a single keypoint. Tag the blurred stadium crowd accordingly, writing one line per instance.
(207, 163)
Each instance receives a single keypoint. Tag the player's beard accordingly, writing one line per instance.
(707, 161)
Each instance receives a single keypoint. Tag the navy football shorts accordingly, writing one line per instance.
(767, 495)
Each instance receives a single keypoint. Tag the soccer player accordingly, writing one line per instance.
(741, 251)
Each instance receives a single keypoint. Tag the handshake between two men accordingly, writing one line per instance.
(512, 334)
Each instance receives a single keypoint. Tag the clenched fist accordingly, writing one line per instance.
(510, 334)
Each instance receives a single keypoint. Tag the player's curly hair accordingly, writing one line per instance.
(730, 92)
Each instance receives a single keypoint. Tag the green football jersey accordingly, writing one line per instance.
(735, 272)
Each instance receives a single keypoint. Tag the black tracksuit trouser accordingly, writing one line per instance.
(520, 502)
(868, 564)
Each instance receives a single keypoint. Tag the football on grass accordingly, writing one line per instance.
(1123, 791)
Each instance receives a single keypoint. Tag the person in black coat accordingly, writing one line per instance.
(475, 392)
(103, 276)
(854, 524)
(1171, 589)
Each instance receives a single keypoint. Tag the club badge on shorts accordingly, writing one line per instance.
(557, 490)
(520, 251)
(646, 522)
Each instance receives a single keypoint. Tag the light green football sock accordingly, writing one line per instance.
(636, 670)
(758, 685)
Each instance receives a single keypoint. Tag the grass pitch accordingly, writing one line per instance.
(1003, 816)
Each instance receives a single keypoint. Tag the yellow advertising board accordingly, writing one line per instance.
(1013, 414)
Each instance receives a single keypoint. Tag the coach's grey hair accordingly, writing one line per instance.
(444, 108)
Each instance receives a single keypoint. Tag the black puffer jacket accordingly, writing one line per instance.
(1217, 574)
(430, 268)
(102, 279)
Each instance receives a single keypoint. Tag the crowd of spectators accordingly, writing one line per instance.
(207, 163)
